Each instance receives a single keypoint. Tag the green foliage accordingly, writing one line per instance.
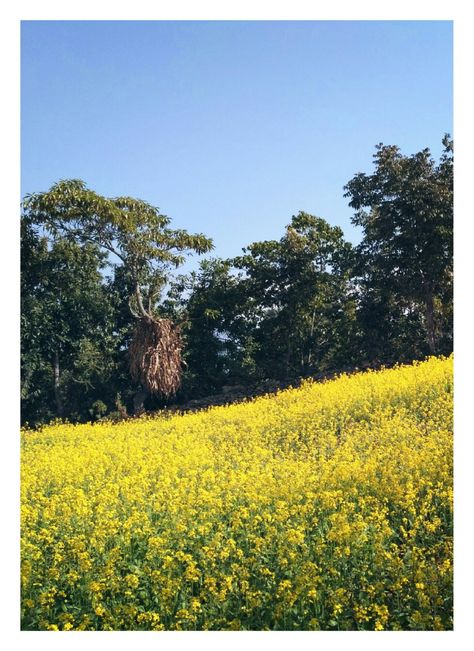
(131, 229)
(301, 298)
(83, 318)
(211, 306)
(67, 322)
(301, 305)
(98, 409)
(405, 260)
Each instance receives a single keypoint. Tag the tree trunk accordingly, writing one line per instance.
(430, 321)
(139, 298)
(288, 357)
(310, 353)
(57, 392)
(139, 401)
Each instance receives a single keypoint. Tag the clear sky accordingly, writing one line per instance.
(229, 127)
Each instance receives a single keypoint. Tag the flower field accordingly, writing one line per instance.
(327, 507)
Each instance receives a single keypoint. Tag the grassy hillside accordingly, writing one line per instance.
(323, 507)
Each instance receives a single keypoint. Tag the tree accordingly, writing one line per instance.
(405, 266)
(67, 344)
(300, 289)
(212, 305)
(139, 238)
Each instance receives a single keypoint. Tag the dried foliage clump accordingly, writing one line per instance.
(155, 356)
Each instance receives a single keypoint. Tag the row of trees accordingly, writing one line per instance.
(99, 301)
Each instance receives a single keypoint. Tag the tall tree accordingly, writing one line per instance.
(67, 344)
(405, 209)
(302, 305)
(139, 238)
(212, 304)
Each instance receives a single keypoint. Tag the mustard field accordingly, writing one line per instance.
(327, 507)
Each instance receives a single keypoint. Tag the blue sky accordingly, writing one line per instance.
(229, 127)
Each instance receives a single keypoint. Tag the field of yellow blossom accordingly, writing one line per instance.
(327, 507)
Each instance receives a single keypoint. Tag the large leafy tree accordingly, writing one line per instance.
(405, 269)
(213, 306)
(303, 312)
(68, 346)
(138, 238)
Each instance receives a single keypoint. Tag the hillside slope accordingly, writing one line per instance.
(323, 507)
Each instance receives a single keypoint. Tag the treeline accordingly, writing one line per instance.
(307, 303)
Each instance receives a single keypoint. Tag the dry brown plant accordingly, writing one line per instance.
(155, 356)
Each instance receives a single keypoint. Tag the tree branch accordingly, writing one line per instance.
(141, 308)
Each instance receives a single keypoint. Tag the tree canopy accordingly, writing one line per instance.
(132, 230)
(100, 297)
(302, 287)
(405, 209)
